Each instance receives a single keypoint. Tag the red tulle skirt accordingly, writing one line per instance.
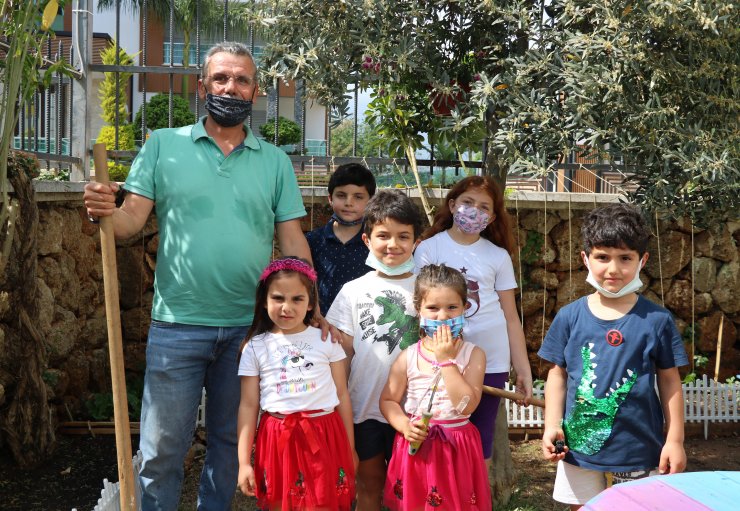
(303, 462)
(448, 471)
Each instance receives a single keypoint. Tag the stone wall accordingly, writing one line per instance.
(547, 264)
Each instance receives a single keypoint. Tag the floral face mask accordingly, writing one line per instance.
(470, 220)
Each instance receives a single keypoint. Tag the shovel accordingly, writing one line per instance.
(115, 344)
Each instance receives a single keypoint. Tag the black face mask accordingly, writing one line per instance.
(227, 111)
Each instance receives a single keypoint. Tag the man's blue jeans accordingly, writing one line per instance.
(180, 361)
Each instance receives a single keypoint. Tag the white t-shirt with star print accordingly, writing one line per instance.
(487, 269)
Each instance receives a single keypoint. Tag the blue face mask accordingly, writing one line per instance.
(430, 326)
(405, 267)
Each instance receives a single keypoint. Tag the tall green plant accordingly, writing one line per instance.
(112, 88)
(117, 133)
(24, 33)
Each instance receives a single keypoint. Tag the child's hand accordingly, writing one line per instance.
(246, 480)
(524, 386)
(443, 345)
(552, 449)
(327, 329)
(672, 458)
(415, 431)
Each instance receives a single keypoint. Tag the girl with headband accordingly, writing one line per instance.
(304, 456)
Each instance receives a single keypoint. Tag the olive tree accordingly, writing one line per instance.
(651, 84)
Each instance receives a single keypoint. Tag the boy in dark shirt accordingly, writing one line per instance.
(608, 349)
(337, 249)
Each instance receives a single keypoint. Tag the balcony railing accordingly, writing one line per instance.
(178, 49)
(40, 145)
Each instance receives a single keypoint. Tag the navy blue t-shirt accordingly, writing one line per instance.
(336, 263)
(613, 417)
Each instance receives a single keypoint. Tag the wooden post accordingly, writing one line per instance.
(115, 343)
(718, 357)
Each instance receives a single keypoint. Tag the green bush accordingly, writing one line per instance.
(288, 131)
(118, 172)
(107, 136)
(157, 114)
(100, 406)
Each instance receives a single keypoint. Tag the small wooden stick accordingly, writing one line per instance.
(115, 342)
(513, 396)
(719, 347)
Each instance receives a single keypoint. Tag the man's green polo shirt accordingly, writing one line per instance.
(216, 217)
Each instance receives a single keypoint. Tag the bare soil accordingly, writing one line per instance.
(73, 477)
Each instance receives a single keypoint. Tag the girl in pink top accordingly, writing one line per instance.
(439, 465)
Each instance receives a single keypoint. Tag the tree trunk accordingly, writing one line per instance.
(491, 164)
(422, 192)
(25, 418)
(501, 474)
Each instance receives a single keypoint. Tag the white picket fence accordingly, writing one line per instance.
(704, 401)
(525, 416)
(708, 401)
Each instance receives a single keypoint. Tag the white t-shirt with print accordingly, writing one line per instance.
(487, 269)
(294, 370)
(379, 314)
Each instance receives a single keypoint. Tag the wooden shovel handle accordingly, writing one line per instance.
(115, 342)
(513, 396)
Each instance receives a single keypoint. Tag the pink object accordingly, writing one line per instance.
(447, 472)
(289, 264)
(694, 491)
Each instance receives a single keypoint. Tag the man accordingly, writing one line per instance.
(220, 196)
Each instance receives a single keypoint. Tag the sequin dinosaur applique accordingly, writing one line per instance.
(589, 423)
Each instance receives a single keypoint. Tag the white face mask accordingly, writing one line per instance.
(631, 287)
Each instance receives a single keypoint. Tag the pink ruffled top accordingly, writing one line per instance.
(419, 387)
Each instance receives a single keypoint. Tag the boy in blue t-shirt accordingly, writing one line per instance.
(607, 349)
(337, 249)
